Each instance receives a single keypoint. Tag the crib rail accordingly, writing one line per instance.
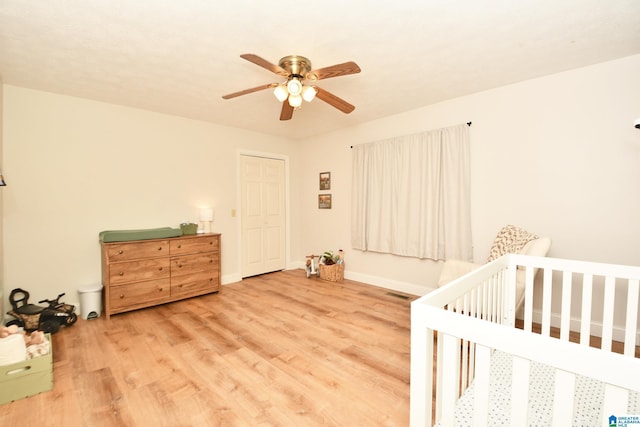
(466, 320)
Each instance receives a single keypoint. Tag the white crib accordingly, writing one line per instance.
(470, 326)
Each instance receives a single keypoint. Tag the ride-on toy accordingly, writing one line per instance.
(312, 265)
(33, 317)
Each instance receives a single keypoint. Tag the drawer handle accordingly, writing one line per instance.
(179, 246)
(211, 243)
(121, 296)
(160, 269)
(179, 265)
(120, 252)
(159, 289)
(210, 261)
(121, 273)
(160, 248)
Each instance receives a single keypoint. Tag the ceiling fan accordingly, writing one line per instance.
(299, 84)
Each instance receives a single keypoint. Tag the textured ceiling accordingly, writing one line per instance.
(180, 56)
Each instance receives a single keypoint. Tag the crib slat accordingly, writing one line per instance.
(498, 305)
(564, 397)
(520, 391)
(464, 374)
(607, 312)
(481, 390)
(632, 316)
(451, 371)
(546, 302)
(421, 368)
(510, 301)
(490, 294)
(616, 401)
(528, 300)
(464, 363)
(565, 311)
(472, 360)
(585, 317)
(439, 376)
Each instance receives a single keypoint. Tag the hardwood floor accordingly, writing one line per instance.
(272, 350)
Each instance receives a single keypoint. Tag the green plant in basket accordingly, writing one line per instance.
(329, 258)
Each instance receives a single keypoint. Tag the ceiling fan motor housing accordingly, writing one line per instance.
(296, 66)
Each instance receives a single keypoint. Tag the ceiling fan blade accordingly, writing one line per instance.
(246, 91)
(334, 101)
(287, 111)
(337, 70)
(264, 64)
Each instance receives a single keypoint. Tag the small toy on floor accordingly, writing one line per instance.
(312, 265)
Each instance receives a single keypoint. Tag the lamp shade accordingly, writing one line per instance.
(294, 86)
(206, 214)
(308, 93)
(295, 101)
(281, 92)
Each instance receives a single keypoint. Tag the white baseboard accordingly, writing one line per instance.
(231, 278)
(395, 285)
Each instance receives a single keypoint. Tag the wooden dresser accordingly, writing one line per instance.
(145, 273)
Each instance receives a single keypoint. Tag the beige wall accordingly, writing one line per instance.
(76, 167)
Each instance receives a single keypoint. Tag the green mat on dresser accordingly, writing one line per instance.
(142, 234)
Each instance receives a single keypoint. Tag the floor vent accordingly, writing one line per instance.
(393, 294)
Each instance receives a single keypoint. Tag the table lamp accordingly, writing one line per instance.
(206, 218)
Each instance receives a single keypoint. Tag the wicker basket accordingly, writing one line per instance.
(189, 228)
(332, 273)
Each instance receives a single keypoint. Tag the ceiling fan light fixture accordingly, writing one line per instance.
(281, 92)
(295, 101)
(294, 86)
(298, 83)
(308, 93)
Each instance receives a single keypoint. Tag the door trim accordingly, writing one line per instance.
(287, 205)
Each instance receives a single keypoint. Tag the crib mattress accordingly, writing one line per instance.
(141, 234)
(588, 398)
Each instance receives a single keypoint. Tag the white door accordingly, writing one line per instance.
(263, 215)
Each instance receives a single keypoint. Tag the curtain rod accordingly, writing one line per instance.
(468, 124)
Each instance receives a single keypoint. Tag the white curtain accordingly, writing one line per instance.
(411, 195)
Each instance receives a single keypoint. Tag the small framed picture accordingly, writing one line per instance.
(325, 180)
(324, 201)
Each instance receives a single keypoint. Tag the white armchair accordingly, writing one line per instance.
(510, 239)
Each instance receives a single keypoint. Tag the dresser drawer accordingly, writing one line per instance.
(194, 284)
(203, 243)
(127, 251)
(140, 294)
(145, 269)
(187, 264)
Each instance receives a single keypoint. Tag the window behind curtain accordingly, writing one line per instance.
(411, 195)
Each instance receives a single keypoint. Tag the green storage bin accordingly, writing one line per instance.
(26, 378)
(188, 228)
